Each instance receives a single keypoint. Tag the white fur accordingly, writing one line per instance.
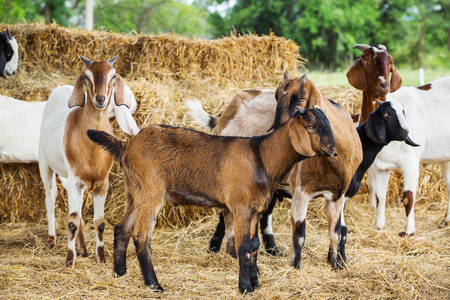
(197, 113)
(428, 114)
(20, 123)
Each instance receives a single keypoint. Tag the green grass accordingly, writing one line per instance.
(410, 77)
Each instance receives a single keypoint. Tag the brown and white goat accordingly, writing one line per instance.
(370, 74)
(319, 176)
(193, 168)
(64, 149)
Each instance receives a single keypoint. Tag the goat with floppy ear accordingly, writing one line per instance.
(64, 149)
(9, 54)
(370, 74)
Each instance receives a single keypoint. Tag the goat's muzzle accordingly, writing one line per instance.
(100, 102)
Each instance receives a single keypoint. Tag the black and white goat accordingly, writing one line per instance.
(9, 54)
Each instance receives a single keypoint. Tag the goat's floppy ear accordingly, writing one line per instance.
(299, 137)
(356, 76)
(396, 81)
(119, 96)
(376, 129)
(78, 98)
(2, 62)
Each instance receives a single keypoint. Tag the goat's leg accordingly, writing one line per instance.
(122, 234)
(343, 238)
(254, 271)
(49, 179)
(299, 207)
(242, 226)
(333, 211)
(99, 196)
(229, 233)
(377, 182)
(446, 171)
(411, 178)
(75, 191)
(146, 217)
(216, 241)
(266, 227)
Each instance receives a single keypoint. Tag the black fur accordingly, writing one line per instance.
(216, 240)
(108, 142)
(6, 53)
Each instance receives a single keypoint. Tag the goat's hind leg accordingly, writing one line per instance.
(446, 171)
(145, 223)
(299, 208)
(216, 241)
(266, 227)
(49, 179)
(336, 256)
(122, 234)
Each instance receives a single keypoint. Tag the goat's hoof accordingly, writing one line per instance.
(246, 290)
(100, 255)
(51, 241)
(70, 259)
(83, 252)
(157, 288)
(444, 223)
(273, 251)
(404, 234)
(214, 245)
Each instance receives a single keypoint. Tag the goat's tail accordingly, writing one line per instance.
(196, 111)
(110, 143)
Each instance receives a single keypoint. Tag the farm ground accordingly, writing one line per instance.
(381, 264)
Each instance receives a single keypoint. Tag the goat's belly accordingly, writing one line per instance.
(184, 197)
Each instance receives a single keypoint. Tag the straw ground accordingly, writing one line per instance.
(381, 264)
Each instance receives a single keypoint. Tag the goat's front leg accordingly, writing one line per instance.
(99, 196)
(244, 248)
(411, 178)
(333, 211)
(377, 182)
(75, 191)
(299, 208)
(446, 171)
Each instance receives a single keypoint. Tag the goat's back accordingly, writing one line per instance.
(20, 123)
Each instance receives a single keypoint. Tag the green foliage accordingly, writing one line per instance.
(13, 11)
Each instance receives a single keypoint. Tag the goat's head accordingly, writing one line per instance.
(371, 71)
(310, 133)
(9, 54)
(293, 92)
(387, 123)
(101, 81)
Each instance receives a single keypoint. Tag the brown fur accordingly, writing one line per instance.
(364, 73)
(193, 168)
(425, 87)
(408, 201)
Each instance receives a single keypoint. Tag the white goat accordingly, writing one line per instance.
(65, 149)
(427, 109)
(20, 123)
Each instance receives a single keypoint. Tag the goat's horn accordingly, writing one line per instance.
(379, 102)
(86, 61)
(362, 47)
(382, 47)
(8, 34)
(286, 75)
(300, 109)
(112, 60)
(305, 78)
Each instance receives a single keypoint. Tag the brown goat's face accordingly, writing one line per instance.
(310, 133)
(294, 92)
(371, 72)
(100, 78)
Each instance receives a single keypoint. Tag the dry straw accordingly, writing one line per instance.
(163, 71)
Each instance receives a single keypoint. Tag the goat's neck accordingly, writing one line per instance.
(92, 118)
(370, 151)
(369, 104)
(277, 154)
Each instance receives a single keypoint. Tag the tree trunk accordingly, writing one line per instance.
(89, 15)
(47, 12)
(422, 43)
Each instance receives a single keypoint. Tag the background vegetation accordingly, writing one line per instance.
(416, 32)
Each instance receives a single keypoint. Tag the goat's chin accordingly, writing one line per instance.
(381, 93)
(101, 107)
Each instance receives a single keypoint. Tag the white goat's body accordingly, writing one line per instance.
(20, 122)
(428, 114)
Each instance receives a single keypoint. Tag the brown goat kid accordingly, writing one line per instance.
(193, 168)
(370, 74)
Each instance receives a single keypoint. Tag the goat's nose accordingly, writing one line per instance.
(14, 72)
(332, 148)
(100, 99)
(384, 85)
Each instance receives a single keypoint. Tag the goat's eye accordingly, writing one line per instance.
(364, 62)
(8, 54)
(302, 99)
(385, 115)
